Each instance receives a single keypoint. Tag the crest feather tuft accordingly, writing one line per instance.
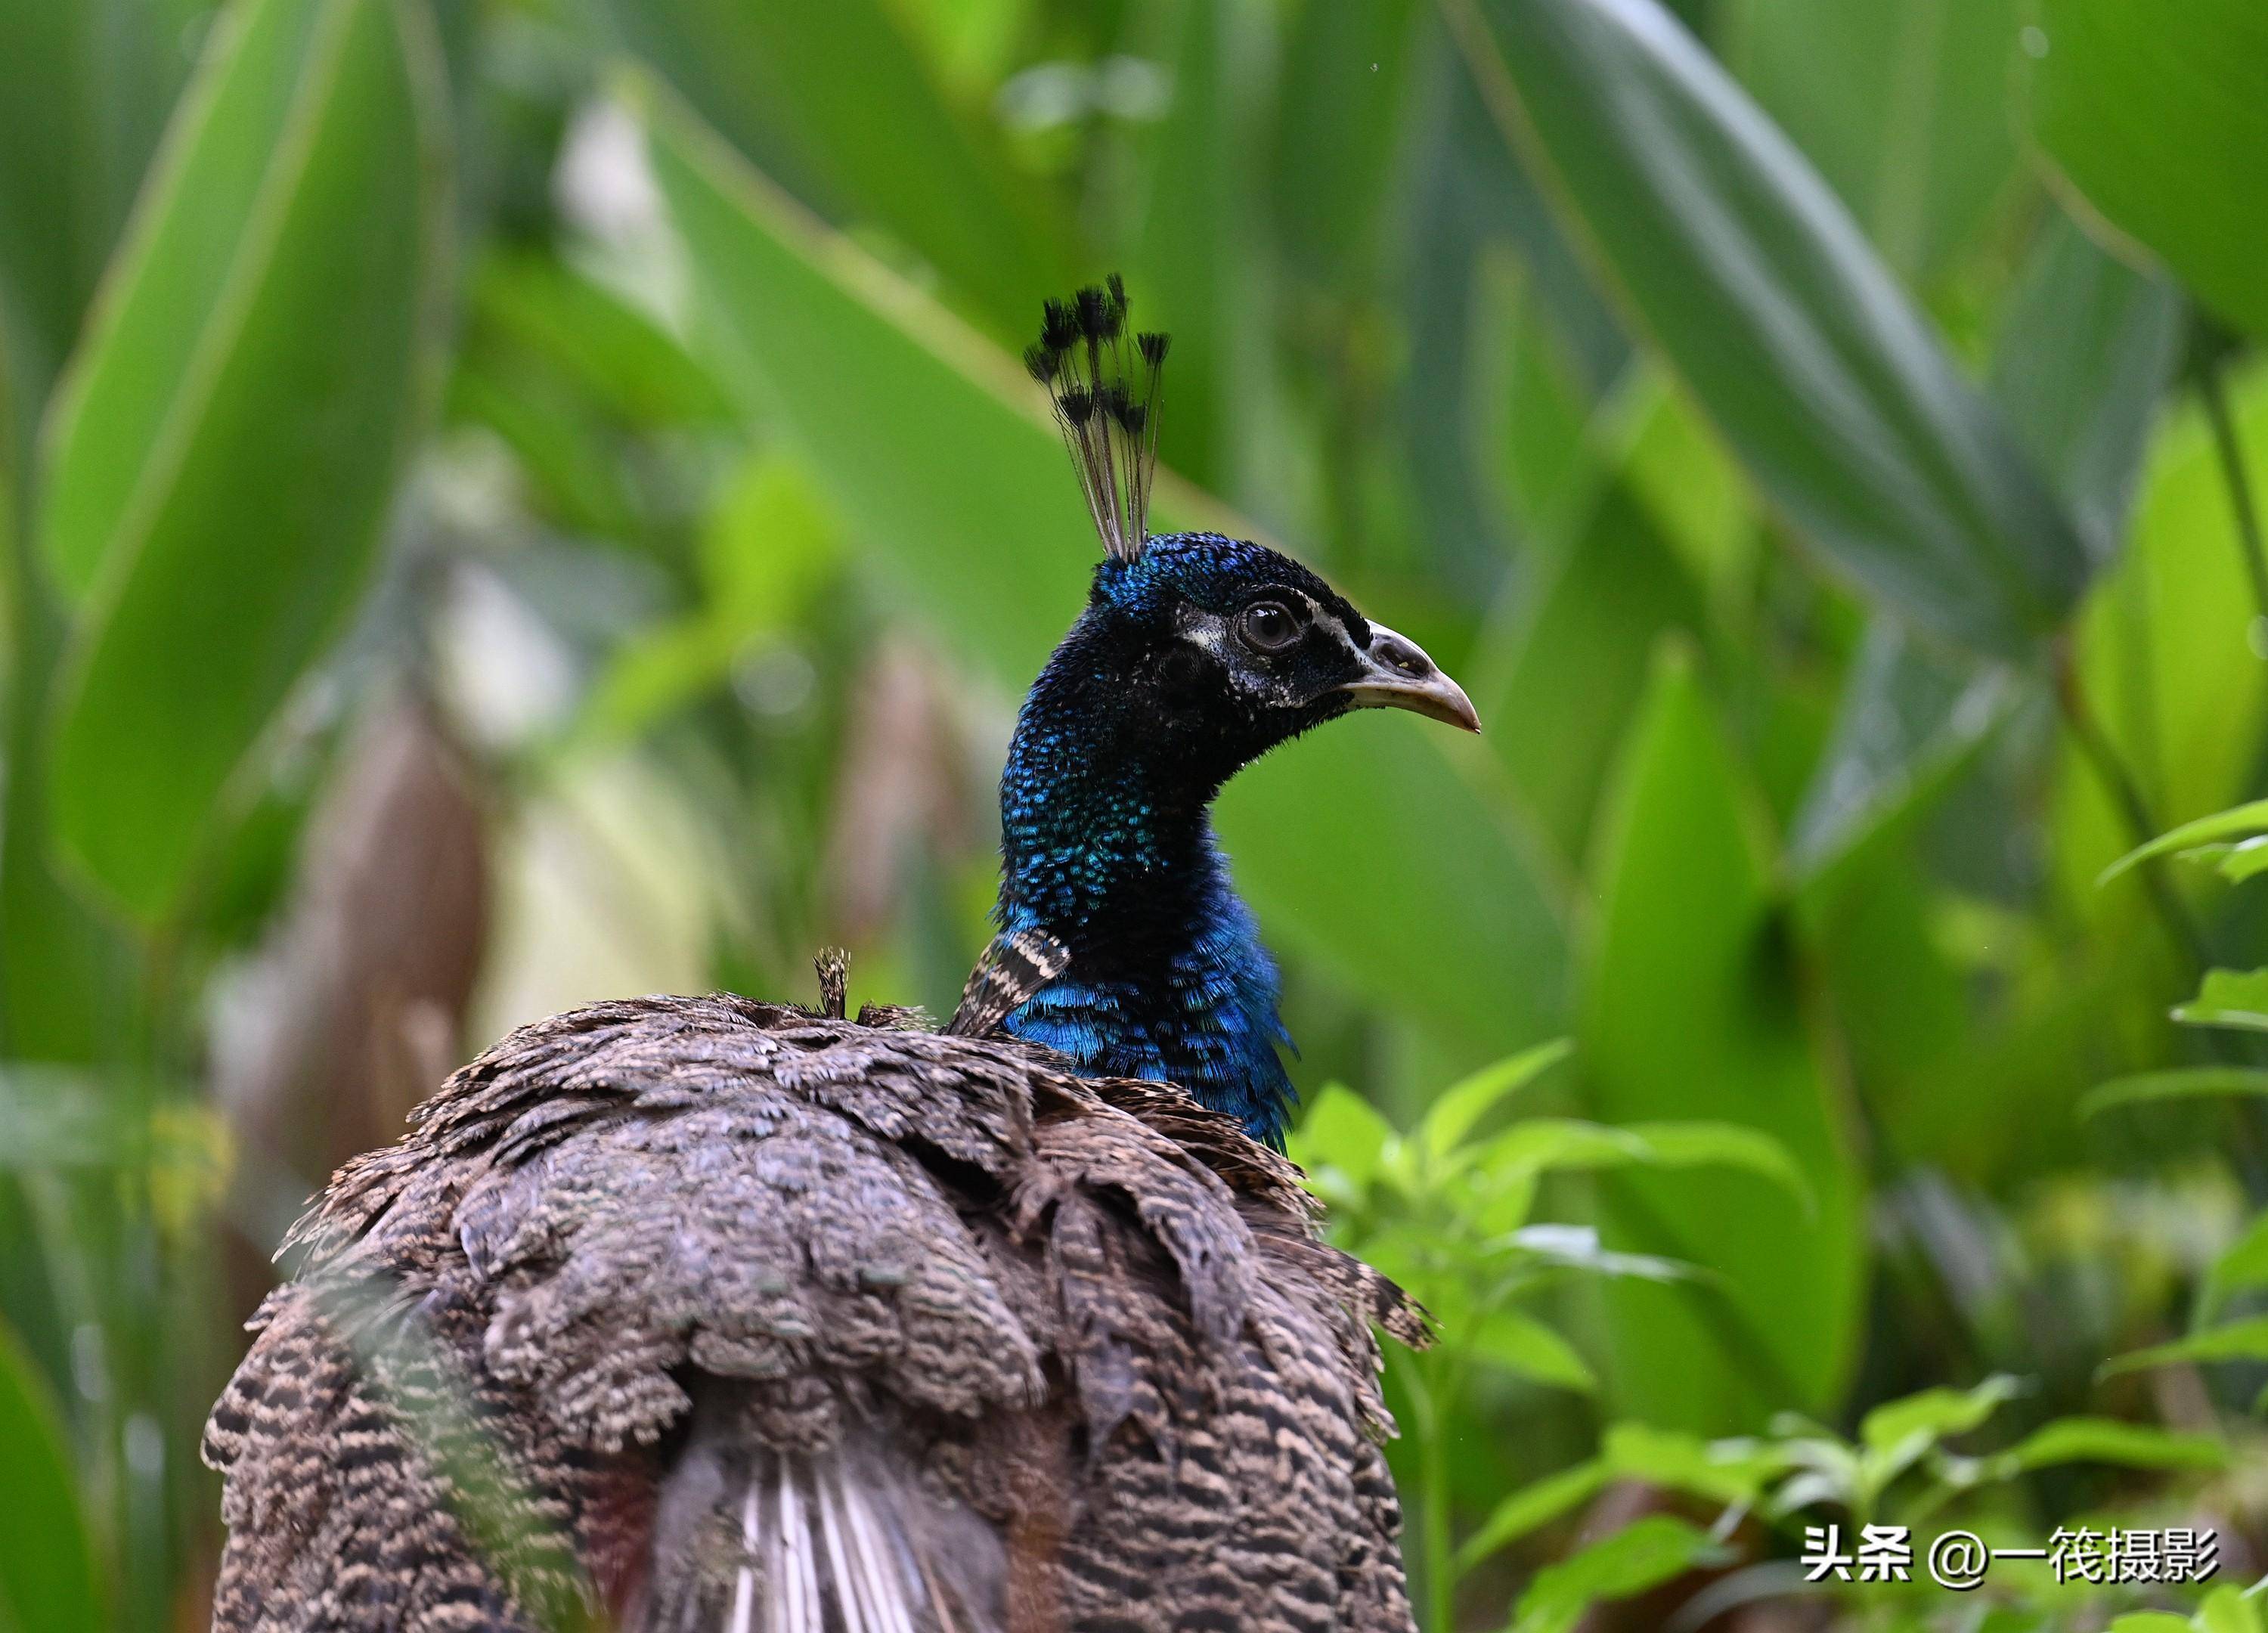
(1105, 397)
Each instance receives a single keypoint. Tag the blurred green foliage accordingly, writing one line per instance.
(512, 501)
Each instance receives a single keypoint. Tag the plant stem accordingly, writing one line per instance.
(1432, 1492)
(2205, 369)
(2124, 793)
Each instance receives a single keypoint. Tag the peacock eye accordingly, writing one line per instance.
(1268, 627)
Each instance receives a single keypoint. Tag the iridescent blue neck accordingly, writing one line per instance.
(1106, 845)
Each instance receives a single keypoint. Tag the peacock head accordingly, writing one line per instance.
(1211, 650)
(1223, 649)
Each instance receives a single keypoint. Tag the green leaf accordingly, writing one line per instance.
(263, 334)
(1688, 1011)
(2236, 822)
(1342, 1130)
(2109, 1440)
(1760, 290)
(1723, 1145)
(2229, 1609)
(1526, 1346)
(1898, 1434)
(2160, 116)
(932, 447)
(1900, 103)
(2150, 1621)
(1722, 1471)
(2228, 997)
(2246, 1340)
(1934, 1414)
(2242, 1267)
(616, 355)
(84, 91)
(1187, 250)
(1461, 1104)
(1577, 662)
(2079, 367)
(1911, 720)
(2182, 1082)
(2176, 686)
(835, 99)
(1645, 1554)
(48, 1577)
(1532, 1506)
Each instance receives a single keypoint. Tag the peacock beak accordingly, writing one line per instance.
(1397, 674)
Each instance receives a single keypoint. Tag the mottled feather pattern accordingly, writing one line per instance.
(706, 1313)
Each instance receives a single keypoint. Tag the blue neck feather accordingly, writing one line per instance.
(1107, 846)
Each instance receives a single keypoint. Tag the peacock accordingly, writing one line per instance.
(706, 1313)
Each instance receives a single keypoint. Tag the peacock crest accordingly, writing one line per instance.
(1103, 382)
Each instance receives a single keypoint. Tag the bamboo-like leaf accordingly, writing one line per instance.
(1688, 1011)
(836, 94)
(1644, 1554)
(956, 489)
(1759, 288)
(2245, 1340)
(2178, 1083)
(48, 1573)
(225, 447)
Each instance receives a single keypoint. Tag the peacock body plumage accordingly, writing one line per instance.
(703, 1314)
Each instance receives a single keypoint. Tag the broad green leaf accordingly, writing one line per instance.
(1690, 1010)
(2079, 366)
(2242, 1266)
(1900, 103)
(835, 100)
(1525, 1345)
(1532, 1506)
(2167, 669)
(1188, 251)
(2179, 1083)
(1474, 210)
(2109, 1440)
(66, 968)
(2240, 820)
(1346, 77)
(2159, 116)
(1761, 290)
(1910, 721)
(618, 357)
(1577, 662)
(84, 91)
(1723, 1145)
(48, 1577)
(2150, 1621)
(2245, 1340)
(1461, 1104)
(1934, 1415)
(930, 443)
(2228, 997)
(264, 335)
(1645, 1554)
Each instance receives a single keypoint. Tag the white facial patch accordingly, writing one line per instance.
(1213, 634)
